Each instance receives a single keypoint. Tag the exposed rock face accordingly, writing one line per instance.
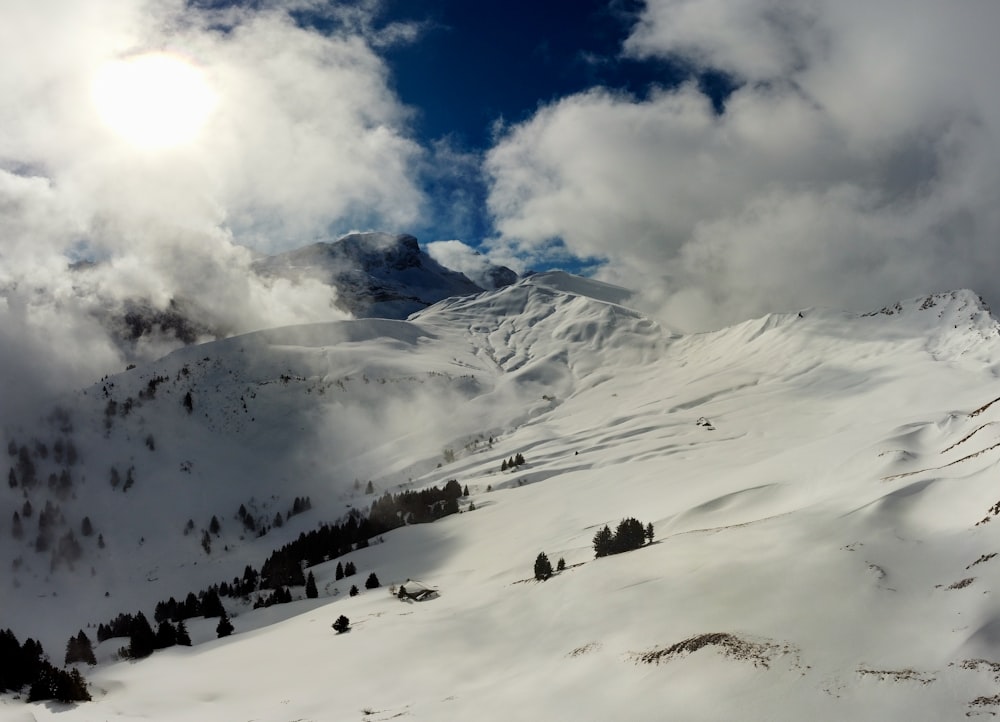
(378, 274)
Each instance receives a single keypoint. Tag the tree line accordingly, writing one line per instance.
(27, 665)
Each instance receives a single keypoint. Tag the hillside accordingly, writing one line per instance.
(821, 487)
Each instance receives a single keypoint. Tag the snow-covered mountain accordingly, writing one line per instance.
(822, 488)
(379, 275)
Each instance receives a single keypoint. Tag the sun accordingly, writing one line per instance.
(153, 100)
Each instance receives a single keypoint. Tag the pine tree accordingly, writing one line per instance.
(142, 641)
(354, 590)
(166, 635)
(80, 649)
(72, 651)
(340, 571)
(372, 582)
(182, 636)
(86, 649)
(350, 570)
(17, 530)
(561, 565)
(311, 591)
(602, 542)
(211, 605)
(649, 532)
(370, 489)
(629, 535)
(225, 627)
(342, 624)
(71, 687)
(543, 568)
(188, 402)
(86, 527)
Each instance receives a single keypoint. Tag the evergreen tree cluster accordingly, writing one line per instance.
(143, 641)
(415, 507)
(281, 595)
(207, 603)
(284, 566)
(513, 462)
(329, 541)
(629, 535)
(80, 649)
(27, 665)
(149, 392)
(260, 526)
(543, 567)
(282, 569)
(299, 505)
(345, 570)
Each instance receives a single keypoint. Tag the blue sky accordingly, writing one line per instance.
(476, 67)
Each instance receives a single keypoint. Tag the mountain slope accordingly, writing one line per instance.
(821, 486)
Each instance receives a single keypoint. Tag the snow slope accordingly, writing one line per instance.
(822, 488)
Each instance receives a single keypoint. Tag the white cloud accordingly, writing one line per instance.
(857, 161)
(306, 135)
(463, 258)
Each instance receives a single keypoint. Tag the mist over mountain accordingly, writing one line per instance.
(380, 274)
(819, 489)
(361, 275)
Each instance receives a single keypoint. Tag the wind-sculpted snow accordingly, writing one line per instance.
(822, 487)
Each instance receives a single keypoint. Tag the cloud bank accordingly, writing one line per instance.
(857, 162)
(306, 135)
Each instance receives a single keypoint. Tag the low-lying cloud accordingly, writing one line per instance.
(306, 136)
(857, 162)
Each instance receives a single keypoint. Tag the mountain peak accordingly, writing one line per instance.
(961, 301)
(376, 274)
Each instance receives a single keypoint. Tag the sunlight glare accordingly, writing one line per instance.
(154, 100)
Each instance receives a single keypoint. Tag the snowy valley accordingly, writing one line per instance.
(822, 487)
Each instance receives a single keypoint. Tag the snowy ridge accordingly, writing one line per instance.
(822, 488)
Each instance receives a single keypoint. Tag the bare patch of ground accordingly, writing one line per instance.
(585, 649)
(980, 560)
(761, 653)
(896, 675)
(961, 583)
